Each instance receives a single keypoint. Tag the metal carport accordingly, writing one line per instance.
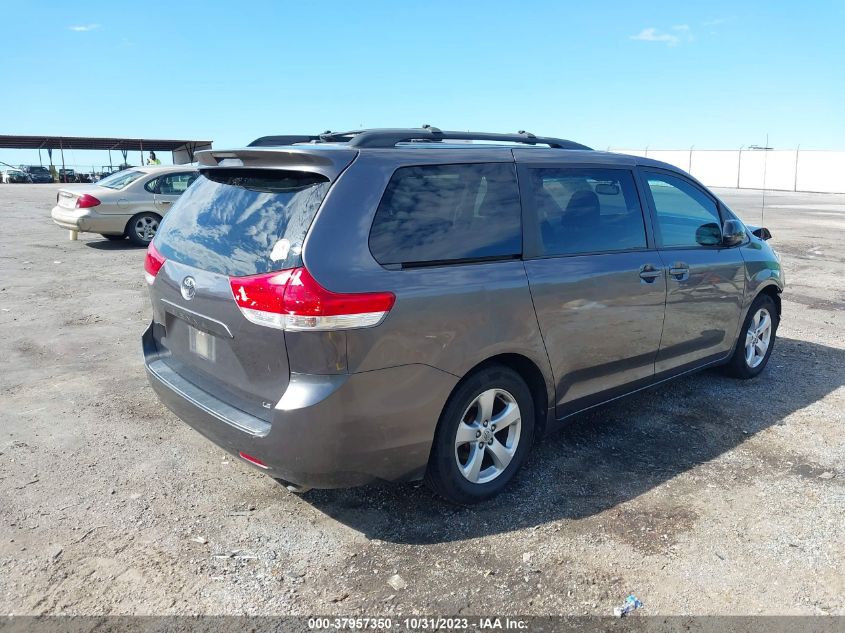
(181, 150)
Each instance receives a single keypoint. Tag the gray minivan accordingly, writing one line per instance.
(413, 303)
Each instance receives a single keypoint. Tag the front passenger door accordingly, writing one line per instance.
(706, 280)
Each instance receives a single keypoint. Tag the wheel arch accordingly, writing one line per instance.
(533, 376)
(772, 290)
(143, 212)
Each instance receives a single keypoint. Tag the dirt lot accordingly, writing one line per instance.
(704, 496)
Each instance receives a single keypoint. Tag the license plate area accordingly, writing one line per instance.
(202, 344)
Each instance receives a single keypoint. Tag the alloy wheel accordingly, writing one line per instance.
(758, 338)
(146, 227)
(488, 436)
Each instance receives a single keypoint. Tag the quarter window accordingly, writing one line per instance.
(586, 210)
(440, 213)
(686, 216)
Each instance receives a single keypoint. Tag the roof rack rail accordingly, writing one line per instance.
(390, 137)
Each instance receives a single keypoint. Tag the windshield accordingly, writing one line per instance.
(39, 170)
(120, 180)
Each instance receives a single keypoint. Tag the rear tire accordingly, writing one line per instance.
(141, 229)
(756, 340)
(483, 436)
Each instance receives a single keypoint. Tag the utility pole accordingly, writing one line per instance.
(765, 162)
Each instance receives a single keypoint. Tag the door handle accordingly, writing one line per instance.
(649, 273)
(680, 271)
(165, 201)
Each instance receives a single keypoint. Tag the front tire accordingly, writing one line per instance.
(141, 229)
(483, 437)
(756, 339)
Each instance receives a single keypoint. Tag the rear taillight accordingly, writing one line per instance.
(152, 263)
(293, 300)
(86, 201)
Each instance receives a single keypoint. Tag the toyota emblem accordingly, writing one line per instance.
(189, 288)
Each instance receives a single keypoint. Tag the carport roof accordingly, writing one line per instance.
(100, 143)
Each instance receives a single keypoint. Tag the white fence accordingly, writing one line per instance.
(783, 170)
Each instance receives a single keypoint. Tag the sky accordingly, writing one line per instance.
(718, 74)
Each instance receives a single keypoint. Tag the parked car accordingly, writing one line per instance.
(105, 172)
(129, 203)
(11, 175)
(37, 173)
(389, 305)
(68, 176)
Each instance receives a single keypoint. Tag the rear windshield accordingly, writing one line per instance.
(242, 222)
(120, 180)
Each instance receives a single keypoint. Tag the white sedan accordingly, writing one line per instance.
(129, 203)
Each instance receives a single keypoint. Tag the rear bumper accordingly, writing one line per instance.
(326, 431)
(89, 221)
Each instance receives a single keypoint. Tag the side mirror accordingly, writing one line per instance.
(733, 233)
(763, 233)
(708, 234)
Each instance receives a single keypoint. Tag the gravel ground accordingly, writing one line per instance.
(704, 496)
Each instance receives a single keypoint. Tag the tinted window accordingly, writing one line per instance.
(439, 213)
(242, 222)
(686, 216)
(586, 210)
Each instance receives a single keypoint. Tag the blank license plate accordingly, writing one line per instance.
(201, 343)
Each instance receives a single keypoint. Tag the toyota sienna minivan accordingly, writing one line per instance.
(418, 304)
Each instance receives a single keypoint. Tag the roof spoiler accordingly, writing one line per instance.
(328, 164)
(285, 139)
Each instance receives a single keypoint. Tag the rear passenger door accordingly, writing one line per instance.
(595, 277)
(170, 187)
(706, 280)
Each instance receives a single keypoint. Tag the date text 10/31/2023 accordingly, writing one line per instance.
(417, 624)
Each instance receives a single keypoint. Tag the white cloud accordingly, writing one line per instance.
(715, 22)
(651, 34)
(81, 28)
(681, 27)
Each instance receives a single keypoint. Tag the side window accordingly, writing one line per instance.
(586, 210)
(441, 213)
(686, 216)
(176, 184)
(151, 185)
